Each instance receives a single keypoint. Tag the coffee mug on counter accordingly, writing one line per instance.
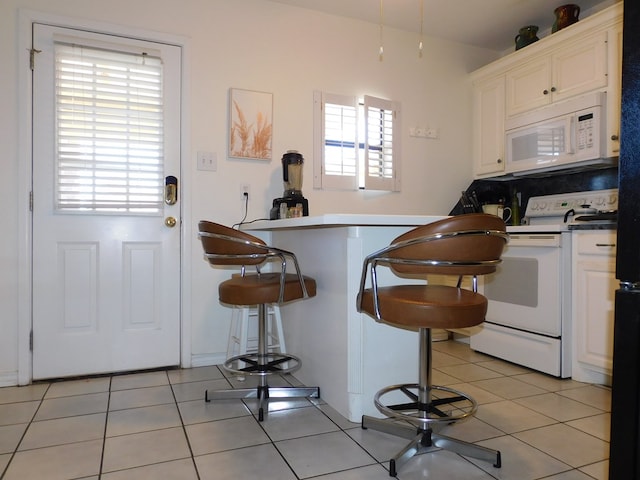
(498, 210)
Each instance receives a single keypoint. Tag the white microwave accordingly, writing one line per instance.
(559, 136)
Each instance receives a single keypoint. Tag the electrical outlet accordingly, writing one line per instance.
(207, 161)
(244, 191)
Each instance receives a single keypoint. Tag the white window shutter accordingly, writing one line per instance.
(382, 144)
(335, 142)
(109, 130)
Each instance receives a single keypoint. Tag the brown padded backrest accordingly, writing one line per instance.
(470, 248)
(221, 246)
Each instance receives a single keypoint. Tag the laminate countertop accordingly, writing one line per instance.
(330, 220)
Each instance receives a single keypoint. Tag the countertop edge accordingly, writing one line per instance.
(333, 220)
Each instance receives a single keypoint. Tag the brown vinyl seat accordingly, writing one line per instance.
(465, 245)
(224, 247)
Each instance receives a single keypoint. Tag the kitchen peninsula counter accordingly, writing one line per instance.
(347, 354)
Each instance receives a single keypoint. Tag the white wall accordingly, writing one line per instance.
(258, 45)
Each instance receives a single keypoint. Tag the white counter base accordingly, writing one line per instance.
(347, 354)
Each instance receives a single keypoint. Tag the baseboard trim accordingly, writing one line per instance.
(8, 379)
(207, 359)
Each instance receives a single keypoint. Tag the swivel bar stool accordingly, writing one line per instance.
(463, 245)
(224, 246)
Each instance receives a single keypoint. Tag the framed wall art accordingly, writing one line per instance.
(250, 124)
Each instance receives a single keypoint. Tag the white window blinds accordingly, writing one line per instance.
(109, 130)
(355, 146)
(382, 151)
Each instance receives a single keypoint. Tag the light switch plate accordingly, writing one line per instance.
(207, 161)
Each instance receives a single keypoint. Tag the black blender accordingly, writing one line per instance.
(292, 204)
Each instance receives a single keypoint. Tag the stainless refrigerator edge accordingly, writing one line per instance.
(624, 460)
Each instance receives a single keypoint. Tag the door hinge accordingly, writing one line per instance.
(32, 57)
(31, 201)
(31, 341)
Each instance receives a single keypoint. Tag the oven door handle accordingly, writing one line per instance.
(551, 240)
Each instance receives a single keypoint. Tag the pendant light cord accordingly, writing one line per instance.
(381, 51)
(420, 40)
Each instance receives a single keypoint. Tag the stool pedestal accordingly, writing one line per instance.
(262, 363)
(243, 333)
(425, 408)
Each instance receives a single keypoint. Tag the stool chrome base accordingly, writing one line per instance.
(262, 393)
(262, 364)
(424, 441)
(427, 405)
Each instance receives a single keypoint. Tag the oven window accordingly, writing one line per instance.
(515, 282)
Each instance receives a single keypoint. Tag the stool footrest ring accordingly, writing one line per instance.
(262, 364)
(460, 405)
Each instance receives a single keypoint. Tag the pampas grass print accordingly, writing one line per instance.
(250, 140)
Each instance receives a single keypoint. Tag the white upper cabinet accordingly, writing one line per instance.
(582, 58)
(614, 92)
(563, 73)
(488, 136)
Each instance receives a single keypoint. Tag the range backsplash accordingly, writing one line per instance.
(491, 191)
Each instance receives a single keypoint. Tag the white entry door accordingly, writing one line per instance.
(106, 163)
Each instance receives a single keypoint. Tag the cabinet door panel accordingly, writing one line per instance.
(596, 292)
(580, 68)
(526, 86)
(489, 127)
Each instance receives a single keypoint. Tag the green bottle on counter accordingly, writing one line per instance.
(515, 208)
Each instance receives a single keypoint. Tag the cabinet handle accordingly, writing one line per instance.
(545, 91)
(615, 137)
(605, 245)
(553, 89)
(499, 160)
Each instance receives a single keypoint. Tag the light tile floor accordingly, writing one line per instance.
(156, 425)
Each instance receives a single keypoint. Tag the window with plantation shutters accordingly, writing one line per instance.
(382, 151)
(109, 130)
(356, 145)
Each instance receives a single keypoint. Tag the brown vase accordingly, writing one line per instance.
(565, 15)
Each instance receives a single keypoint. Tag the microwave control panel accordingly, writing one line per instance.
(585, 133)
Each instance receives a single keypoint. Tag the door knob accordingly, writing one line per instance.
(170, 222)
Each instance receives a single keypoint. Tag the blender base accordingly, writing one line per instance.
(291, 203)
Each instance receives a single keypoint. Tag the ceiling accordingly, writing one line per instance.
(490, 24)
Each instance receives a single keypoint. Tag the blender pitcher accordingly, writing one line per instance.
(292, 204)
(292, 173)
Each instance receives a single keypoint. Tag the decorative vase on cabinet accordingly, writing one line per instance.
(565, 15)
(526, 36)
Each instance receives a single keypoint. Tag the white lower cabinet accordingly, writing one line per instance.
(594, 286)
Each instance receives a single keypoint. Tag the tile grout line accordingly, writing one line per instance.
(15, 450)
(184, 427)
(104, 433)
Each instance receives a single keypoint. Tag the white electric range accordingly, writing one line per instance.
(528, 321)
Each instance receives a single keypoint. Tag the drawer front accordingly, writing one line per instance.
(602, 242)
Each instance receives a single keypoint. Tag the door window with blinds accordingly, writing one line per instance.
(109, 130)
(356, 144)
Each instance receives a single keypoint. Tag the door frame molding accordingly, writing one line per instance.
(26, 18)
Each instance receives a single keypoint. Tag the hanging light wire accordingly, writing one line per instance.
(381, 50)
(420, 40)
